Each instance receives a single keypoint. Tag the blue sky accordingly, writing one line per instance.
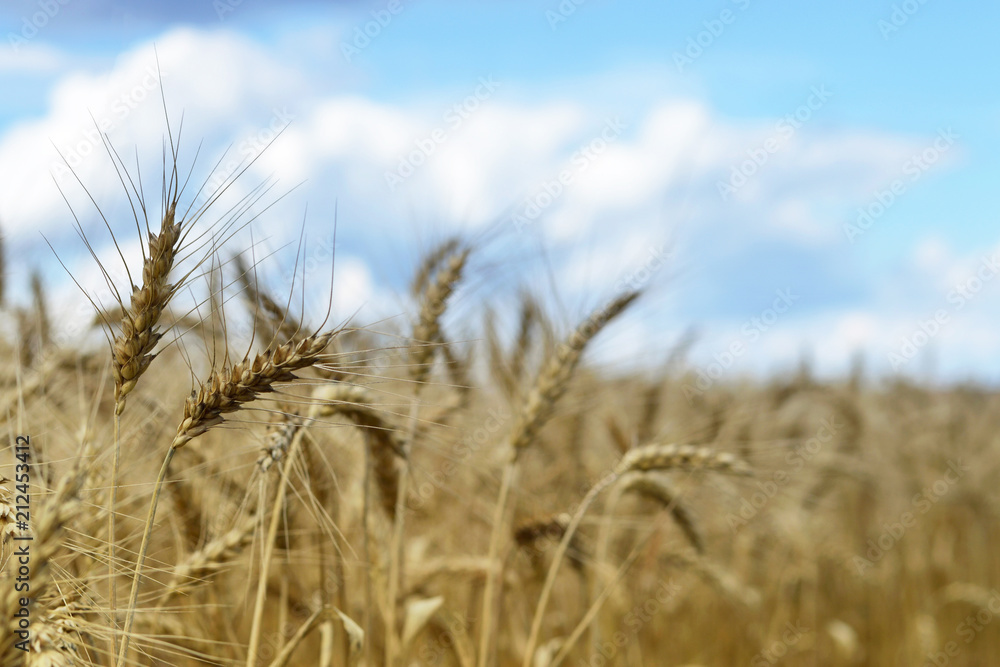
(741, 136)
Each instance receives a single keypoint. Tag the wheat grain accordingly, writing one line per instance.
(229, 389)
(434, 300)
(132, 348)
(213, 556)
(430, 263)
(672, 456)
(554, 379)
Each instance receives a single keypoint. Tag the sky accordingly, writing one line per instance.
(785, 180)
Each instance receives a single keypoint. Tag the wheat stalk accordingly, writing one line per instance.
(549, 387)
(132, 353)
(270, 539)
(650, 485)
(656, 456)
(226, 391)
(425, 337)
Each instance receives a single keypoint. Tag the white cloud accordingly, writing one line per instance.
(32, 58)
(663, 167)
(931, 254)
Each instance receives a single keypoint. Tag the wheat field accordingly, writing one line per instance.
(403, 493)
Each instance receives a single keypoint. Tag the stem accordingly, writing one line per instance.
(288, 649)
(369, 583)
(147, 531)
(112, 504)
(272, 532)
(282, 607)
(339, 638)
(327, 637)
(396, 550)
(550, 579)
(495, 571)
(598, 603)
(601, 554)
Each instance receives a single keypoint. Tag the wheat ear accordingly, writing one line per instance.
(226, 391)
(554, 379)
(43, 322)
(132, 352)
(210, 558)
(656, 456)
(229, 389)
(426, 334)
(673, 456)
(528, 321)
(427, 330)
(551, 384)
(430, 263)
(134, 344)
